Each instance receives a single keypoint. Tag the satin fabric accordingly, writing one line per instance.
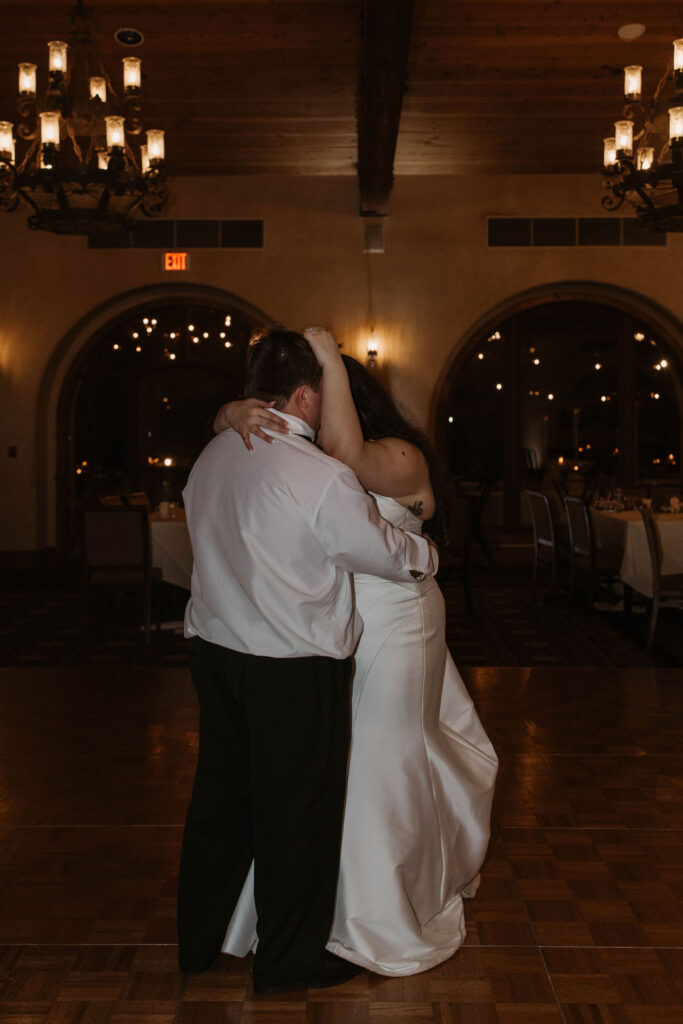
(421, 780)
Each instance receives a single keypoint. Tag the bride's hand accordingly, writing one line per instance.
(249, 416)
(324, 345)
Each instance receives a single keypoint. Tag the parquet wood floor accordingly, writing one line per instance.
(579, 919)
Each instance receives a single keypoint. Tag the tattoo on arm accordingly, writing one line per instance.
(416, 508)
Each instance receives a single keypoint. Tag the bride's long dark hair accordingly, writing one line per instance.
(380, 417)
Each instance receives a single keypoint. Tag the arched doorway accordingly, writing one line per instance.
(137, 403)
(578, 379)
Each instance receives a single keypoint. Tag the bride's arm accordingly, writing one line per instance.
(389, 466)
(249, 416)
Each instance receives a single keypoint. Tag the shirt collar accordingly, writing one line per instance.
(296, 425)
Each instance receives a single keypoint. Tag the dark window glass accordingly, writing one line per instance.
(509, 231)
(637, 234)
(116, 240)
(554, 231)
(242, 234)
(599, 231)
(198, 234)
(153, 234)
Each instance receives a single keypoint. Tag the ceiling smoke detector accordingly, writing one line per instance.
(129, 37)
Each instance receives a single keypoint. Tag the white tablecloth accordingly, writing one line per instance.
(626, 531)
(171, 549)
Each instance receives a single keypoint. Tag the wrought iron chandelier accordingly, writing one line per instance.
(643, 161)
(71, 162)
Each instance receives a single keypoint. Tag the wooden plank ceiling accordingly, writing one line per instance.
(274, 86)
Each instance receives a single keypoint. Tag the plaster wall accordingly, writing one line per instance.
(435, 281)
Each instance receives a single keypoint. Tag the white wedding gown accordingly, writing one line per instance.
(420, 786)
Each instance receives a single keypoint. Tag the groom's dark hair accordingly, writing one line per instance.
(278, 362)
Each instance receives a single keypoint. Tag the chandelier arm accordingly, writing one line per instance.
(28, 154)
(12, 201)
(613, 202)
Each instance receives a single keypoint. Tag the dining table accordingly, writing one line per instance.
(171, 548)
(625, 531)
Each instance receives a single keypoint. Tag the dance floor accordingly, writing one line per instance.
(579, 919)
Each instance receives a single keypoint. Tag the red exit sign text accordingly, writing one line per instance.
(175, 261)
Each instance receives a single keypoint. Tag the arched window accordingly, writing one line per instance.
(578, 389)
(141, 402)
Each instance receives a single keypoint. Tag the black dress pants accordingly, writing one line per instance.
(270, 786)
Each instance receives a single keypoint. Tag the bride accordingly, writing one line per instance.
(421, 768)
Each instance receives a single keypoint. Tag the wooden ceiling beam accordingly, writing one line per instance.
(387, 27)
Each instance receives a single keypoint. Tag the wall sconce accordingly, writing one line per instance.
(372, 357)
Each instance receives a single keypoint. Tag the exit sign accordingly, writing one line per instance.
(175, 261)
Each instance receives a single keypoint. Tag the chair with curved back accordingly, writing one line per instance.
(667, 585)
(584, 555)
(545, 537)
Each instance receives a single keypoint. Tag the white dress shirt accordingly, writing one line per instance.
(275, 536)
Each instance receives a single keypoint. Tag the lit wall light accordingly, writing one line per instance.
(639, 336)
(536, 362)
(480, 355)
(598, 366)
(499, 386)
(228, 344)
(551, 397)
(450, 419)
(663, 363)
(190, 327)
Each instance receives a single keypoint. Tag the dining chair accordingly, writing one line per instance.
(454, 557)
(545, 537)
(663, 585)
(117, 554)
(584, 554)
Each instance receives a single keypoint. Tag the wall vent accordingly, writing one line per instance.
(183, 234)
(523, 232)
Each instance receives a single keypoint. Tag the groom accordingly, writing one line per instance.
(275, 540)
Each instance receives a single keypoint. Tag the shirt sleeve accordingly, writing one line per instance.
(355, 538)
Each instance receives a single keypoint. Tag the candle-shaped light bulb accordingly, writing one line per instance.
(102, 160)
(623, 137)
(678, 55)
(144, 159)
(155, 145)
(49, 128)
(131, 74)
(115, 132)
(676, 123)
(633, 81)
(646, 158)
(6, 140)
(57, 56)
(27, 79)
(98, 88)
(609, 153)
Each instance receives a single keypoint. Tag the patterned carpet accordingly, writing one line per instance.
(40, 624)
